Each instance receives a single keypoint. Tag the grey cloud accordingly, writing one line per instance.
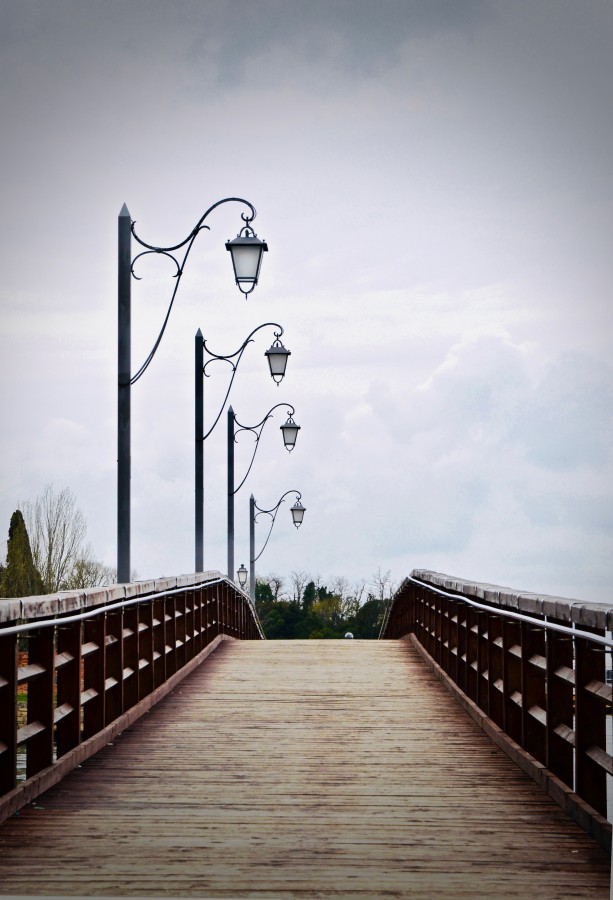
(355, 37)
(568, 423)
(556, 506)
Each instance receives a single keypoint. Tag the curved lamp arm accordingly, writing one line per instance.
(257, 431)
(272, 512)
(168, 251)
(215, 357)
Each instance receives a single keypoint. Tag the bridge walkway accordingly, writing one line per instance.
(301, 769)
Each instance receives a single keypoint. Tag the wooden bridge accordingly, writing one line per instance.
(170, 752)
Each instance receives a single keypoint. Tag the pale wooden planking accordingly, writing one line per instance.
(303, 768)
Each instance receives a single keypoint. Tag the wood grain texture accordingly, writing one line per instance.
(302, 769)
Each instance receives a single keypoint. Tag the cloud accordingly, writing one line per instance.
(433, 181)
(342, 38)
(568, 422)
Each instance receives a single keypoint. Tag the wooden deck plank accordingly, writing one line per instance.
(301, 769)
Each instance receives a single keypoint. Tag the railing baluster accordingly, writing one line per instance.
(462, 670)
(8, 710)
(94, 674)
(590, 728)
(113, 687)
(534, 692)
(512, 675)
(170, 635)
(495, 679)
(180, 633)
(560, 705)
(68, 725)
(146, 662)
(39, 746)
(130, 657)
(159, 642)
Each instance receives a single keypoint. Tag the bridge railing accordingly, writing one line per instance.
(76, 668)
(533, 670)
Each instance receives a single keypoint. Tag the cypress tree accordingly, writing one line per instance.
(20, 577)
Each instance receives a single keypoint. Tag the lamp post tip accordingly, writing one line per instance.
(124, 211)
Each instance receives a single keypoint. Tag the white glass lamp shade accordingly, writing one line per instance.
(247, 251)
(277, 360)
(242, 575)
(298, 511)
(290, 433)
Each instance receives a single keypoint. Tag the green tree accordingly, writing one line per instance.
(309, 596)
(317, 612)
(20, 577)
(366, 623)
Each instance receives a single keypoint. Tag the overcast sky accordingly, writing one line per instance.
(433, 178)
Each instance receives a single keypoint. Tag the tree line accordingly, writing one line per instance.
(306, 608)
(47, 550)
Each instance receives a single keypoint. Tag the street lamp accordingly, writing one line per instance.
(242, 575)
(297, 511)
(247, 250)
(277, 357)
(246, 260)
(290, 433)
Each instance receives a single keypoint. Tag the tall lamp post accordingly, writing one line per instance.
(246, 251)
(297, 511)
(277, 356)
(289, 431)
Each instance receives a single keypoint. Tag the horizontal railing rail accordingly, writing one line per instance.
(536, 668)
(76, 668)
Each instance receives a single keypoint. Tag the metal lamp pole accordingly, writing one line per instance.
(246, 251)
(290, 433)
(297, 511)
(277, 357)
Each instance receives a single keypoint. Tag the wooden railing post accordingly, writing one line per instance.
(495, 669)
(512, 678)
(39, 748)
(472, 658)
(68, 727)
(590, 728)
(534, 692)
(145, 649)
(560, 705)
(94, 674)
(130, 657)
(113, 706)
(8, 709)
(170, 635)
(462, 645)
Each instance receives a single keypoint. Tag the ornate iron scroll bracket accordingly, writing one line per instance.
(169, 251)
(257, 430)
(234, 360)
(272, 512)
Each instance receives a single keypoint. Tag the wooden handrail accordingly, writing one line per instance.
(85, 664)
(531, 669)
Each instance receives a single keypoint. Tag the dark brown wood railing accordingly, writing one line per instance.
(533, 670)
(76, 668)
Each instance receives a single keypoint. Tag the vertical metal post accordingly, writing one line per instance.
(252, 548)
(231, 494)
(199, 437)
(123, 394)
